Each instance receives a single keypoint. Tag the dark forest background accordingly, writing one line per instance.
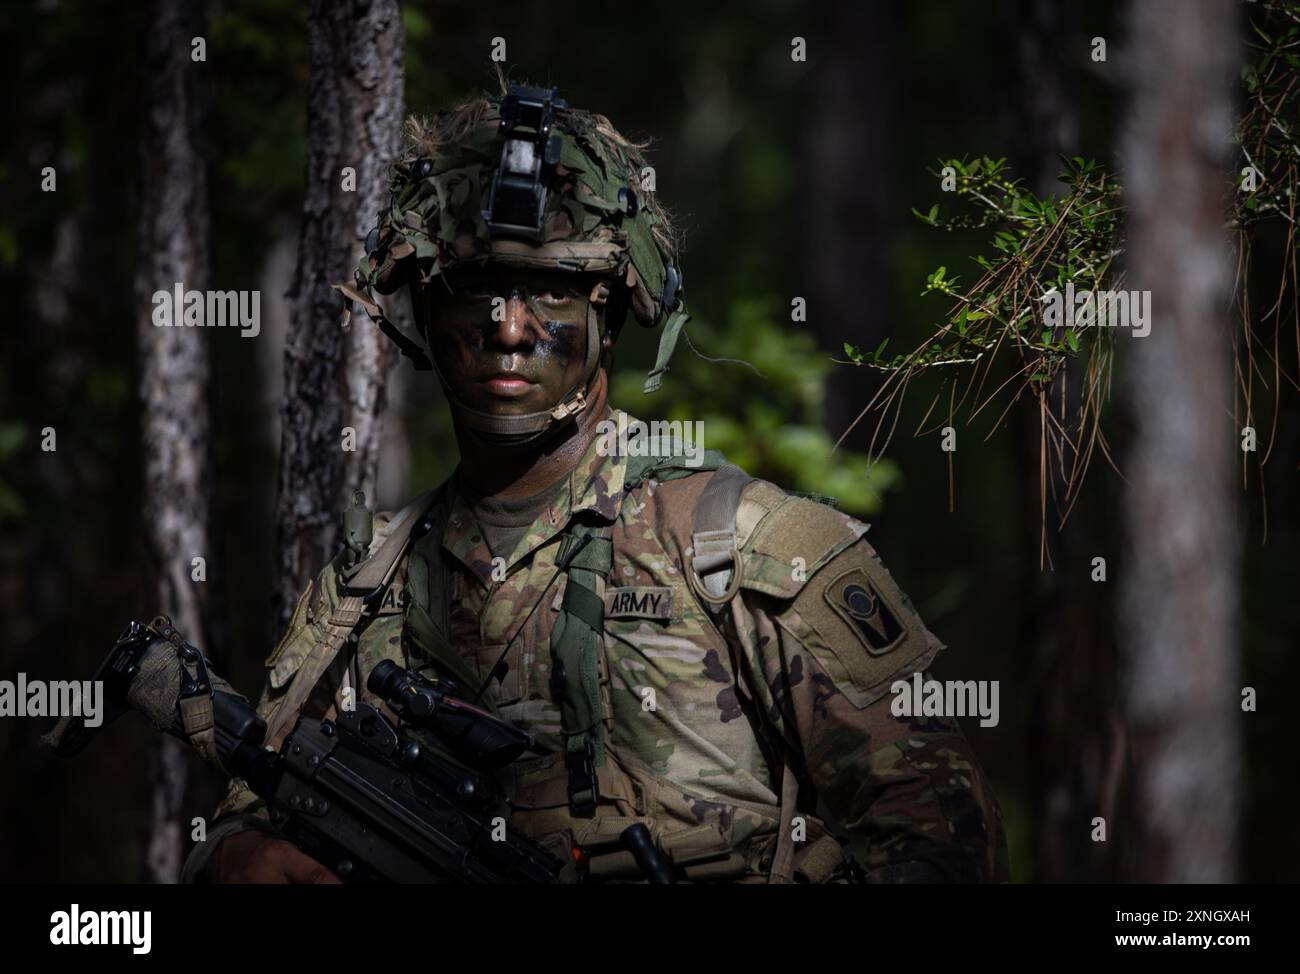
(790, 179)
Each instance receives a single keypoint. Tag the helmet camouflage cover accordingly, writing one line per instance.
(523, 180)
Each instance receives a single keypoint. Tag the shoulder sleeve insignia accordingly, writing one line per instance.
(855, 621)
(859, 603)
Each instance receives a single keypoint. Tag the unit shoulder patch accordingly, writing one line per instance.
(869, 615)
(859, 626)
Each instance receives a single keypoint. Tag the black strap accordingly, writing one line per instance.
(409, 347)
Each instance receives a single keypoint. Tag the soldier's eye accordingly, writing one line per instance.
(554, 298)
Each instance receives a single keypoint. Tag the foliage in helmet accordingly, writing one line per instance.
(434, 221)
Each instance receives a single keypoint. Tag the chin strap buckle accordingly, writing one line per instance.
(571, 408)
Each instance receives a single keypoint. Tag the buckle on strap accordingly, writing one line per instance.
(712, 552)
(368, 596)
(571, 408)
(584, 789)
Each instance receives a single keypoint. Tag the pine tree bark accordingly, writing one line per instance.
(174, 226)
(1178, 611)
(335, 378)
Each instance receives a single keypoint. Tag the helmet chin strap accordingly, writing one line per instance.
(530, 427)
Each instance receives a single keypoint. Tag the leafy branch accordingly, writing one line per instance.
(1045, 249)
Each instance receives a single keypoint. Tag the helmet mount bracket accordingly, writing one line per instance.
(529, 155)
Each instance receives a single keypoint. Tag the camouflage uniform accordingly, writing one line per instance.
(785, 672)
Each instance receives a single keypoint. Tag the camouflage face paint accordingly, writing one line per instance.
(510, 342)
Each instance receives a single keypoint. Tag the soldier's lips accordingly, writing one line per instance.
(507, 385)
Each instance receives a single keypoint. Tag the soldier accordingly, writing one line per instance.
(693, 649)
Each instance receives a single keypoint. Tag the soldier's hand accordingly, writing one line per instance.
(254, 856)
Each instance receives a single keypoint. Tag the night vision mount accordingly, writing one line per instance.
(529, 155)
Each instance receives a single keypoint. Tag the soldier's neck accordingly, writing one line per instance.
(512, 472)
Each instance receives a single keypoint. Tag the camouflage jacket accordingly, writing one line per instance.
(786, 673)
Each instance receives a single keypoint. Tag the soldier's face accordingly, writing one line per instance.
(507, 341)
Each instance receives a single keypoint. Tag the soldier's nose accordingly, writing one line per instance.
(517, 325)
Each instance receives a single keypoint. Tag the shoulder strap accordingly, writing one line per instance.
(715, 576)
(429, 581)
(586, 555)
(642, 468)
(715, 564)
(361, 591)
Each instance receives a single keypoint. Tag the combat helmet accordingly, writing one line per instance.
(523, 180)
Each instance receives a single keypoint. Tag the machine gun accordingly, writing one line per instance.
(412, 802)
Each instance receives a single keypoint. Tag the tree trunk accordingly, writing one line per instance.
(1179, 590)
(173, 373)
(847, 139)
(335, 378)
